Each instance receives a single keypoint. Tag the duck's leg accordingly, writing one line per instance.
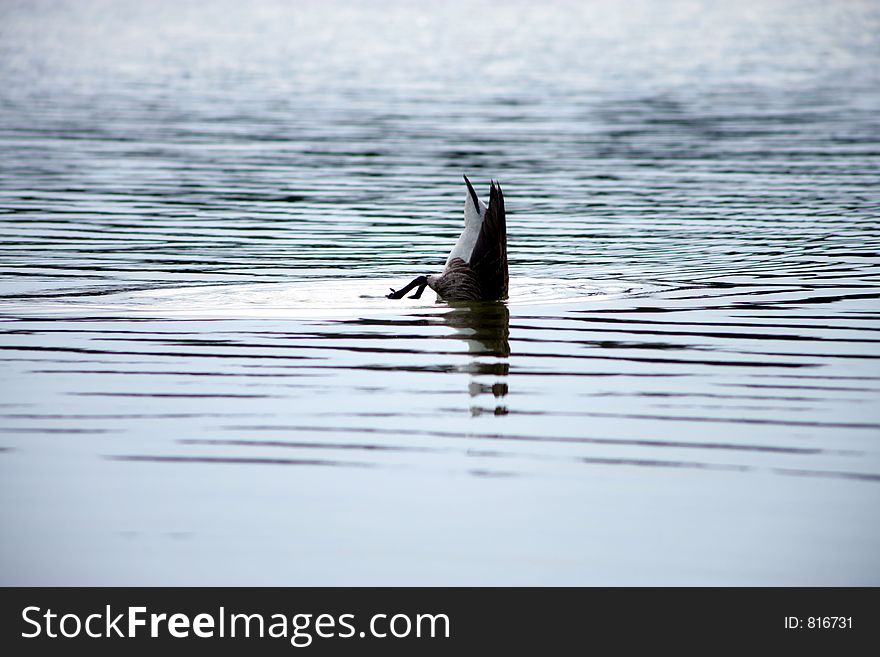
(419, 282)
(418, 293)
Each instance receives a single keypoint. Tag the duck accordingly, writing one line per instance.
(476, 268)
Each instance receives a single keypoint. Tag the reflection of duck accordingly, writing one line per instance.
(485, 326)
(476, 269)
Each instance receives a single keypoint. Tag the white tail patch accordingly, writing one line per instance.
(473, 222)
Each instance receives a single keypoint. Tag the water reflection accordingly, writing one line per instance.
(485, 327)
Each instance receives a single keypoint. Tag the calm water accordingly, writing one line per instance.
(202, 204)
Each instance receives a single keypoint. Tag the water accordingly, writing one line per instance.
(201, 207)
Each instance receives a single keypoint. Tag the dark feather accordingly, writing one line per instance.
(457, 283)
(473, 193)
(489, 259)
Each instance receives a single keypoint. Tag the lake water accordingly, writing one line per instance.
(203, 204)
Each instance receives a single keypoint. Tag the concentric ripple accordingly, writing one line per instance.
(311, 298)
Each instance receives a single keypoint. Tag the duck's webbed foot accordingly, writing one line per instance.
(419, 282)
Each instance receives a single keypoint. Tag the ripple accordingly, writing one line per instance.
(328, 298)
(201, 211)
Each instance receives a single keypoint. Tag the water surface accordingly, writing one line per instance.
(201, 209)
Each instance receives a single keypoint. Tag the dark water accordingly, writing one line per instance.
(201, 206)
